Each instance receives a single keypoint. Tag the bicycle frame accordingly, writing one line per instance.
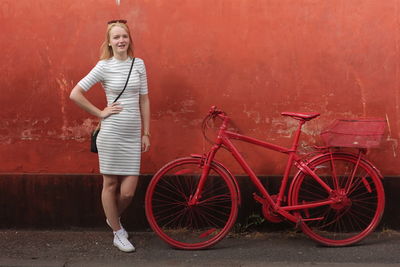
(224, 139)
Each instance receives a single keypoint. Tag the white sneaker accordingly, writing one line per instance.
(122, 243)
(125, 233)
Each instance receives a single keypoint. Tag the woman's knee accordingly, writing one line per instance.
(128, 186)
(127, 194)
(110, 184)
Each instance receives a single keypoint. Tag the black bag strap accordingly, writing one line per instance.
(127, 80)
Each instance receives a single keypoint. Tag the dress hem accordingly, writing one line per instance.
(124, 174)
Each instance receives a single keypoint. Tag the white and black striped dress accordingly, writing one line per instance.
(119, 140)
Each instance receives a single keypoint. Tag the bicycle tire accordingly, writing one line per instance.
(191, 227)
(355, 216)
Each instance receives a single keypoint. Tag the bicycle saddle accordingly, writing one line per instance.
(301, 116)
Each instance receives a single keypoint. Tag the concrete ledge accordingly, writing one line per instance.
(61, 201)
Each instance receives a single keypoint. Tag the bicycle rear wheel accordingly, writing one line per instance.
(356, 211)
(187, 226)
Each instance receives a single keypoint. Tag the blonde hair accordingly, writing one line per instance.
(106, 51)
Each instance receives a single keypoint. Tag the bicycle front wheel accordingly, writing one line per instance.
(182, 224)
(358, 197)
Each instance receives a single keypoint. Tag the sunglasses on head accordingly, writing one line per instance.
(117, 21)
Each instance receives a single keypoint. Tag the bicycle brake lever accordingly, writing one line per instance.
(212, 110)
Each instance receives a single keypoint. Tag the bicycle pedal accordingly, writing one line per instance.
(312, 219)
(301, 220)
(258, 198)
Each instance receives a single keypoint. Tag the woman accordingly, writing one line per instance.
(120, 140)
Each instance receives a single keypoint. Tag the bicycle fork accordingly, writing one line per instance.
(206, 164)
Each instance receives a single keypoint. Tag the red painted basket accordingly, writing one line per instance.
(360, 133)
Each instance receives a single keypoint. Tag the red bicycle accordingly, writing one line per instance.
(335, 197)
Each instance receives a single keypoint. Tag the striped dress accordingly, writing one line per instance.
(119, 140)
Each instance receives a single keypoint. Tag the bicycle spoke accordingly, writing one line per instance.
(167, 197)
(171, 188)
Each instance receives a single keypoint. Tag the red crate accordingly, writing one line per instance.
(361, 133)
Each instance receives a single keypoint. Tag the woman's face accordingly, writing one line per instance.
(119, 40)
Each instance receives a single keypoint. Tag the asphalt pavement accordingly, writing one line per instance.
(94, 248)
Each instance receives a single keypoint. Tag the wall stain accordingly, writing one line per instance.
(393, 141)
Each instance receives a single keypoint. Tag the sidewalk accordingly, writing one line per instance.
(94, 248)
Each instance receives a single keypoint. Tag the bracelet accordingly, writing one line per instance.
(147, 134)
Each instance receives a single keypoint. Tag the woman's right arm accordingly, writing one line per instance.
(77, 95)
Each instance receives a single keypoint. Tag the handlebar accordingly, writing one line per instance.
(215, 112)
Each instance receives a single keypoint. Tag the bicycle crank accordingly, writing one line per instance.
(268, 211)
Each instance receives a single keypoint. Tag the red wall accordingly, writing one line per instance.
(254, 59)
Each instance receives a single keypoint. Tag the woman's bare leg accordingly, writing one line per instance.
(126, 193)
(109, 198)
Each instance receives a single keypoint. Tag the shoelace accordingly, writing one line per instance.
(120, 239)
